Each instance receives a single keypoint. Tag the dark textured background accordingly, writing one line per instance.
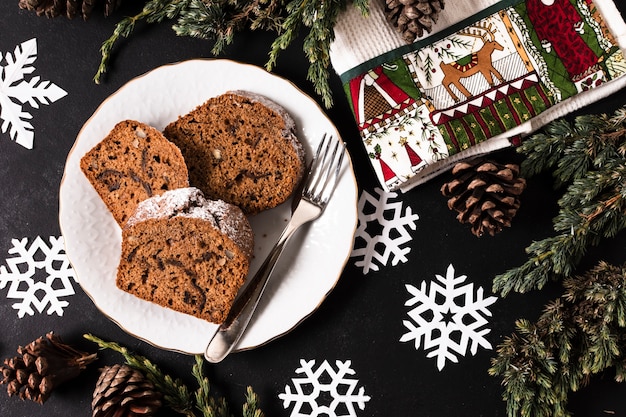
(360, 321)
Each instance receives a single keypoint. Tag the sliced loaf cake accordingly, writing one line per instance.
(242, 148)
(187, 253)
(132, 163)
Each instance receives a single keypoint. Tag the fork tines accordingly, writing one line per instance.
(324, 170)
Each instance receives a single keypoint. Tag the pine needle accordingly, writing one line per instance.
(587, 157)
(580, 334)
(154, 11)
(176, 394)
(220, 20)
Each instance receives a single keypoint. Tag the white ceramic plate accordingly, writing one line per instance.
(311, 264)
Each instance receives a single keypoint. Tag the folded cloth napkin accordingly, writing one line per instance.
(488, 74)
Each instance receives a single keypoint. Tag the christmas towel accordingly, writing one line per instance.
(488, 74)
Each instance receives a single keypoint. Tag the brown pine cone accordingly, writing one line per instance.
(42, 365)
(122, 391)
(485, 194)
(411, 18)
(69, 8)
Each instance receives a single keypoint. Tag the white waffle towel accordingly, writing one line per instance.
(488, 74)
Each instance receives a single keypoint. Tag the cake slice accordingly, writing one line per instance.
(132, 163)
(187, 253)
(242, 148)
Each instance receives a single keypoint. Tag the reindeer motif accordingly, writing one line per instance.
(479, 61)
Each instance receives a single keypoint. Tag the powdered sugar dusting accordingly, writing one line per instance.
(190, 202)
(232, 222)
(180, 201)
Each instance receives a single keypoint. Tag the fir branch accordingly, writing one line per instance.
(176, 394)
(212, 407)
(579, 335)
(268, 14)
(320, 17)
(588, 156)
(582, 222)
(572, 149)
(208, 405)
(251, 406)
(220, 20)
(208, 20)
(154, 11)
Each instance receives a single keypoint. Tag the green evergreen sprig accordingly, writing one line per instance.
(320, 17)
(220, 20)
(176, 395)
(579, 335)
(588, 157)
(251, 406)
(154, 11)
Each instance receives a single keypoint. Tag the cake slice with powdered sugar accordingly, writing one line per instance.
(187, 253)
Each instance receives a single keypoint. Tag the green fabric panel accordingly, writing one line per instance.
(505, 114)
(465, 60)
(446, 138)
(556, 70)
(534, 98)
(491, 121)
(402, 77)
(589, 35)
(346, 90)
(460, 134)
(520, 107)
(479, 133)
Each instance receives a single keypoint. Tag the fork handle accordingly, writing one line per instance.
(231, 330)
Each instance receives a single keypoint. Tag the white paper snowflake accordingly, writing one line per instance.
(39, 275)
(16, 91)
(383, 228)
(447, 317)
(324, 384)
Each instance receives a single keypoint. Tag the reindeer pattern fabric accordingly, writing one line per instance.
(480, 83)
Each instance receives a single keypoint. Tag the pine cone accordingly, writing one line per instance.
(69, 8)
(122, 391)
(42, 365)
(485, 194)
(412, 17)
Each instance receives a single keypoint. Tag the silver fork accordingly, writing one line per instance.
(318, 186)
